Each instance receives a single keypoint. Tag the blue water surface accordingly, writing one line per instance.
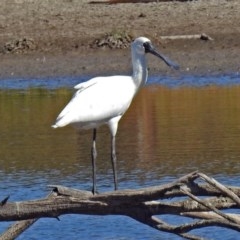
(174, 81)
(25, 185)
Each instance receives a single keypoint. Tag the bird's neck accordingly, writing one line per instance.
(140, 72)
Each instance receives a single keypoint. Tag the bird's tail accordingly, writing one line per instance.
(61, 121)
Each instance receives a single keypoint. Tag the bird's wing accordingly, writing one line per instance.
(65, 116)
(84, 85)
(80, 88)
(98, 99)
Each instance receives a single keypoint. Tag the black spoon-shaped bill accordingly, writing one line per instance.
(150, 49)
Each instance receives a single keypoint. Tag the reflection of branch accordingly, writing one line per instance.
(142, 205)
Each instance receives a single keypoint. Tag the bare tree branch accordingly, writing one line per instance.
(143, 205)
(221, 188)
(202, 36)
(209, 215)
(211, 207)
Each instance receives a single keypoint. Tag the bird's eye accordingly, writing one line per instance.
(147, 46)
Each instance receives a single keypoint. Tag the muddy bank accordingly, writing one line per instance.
(61, 34)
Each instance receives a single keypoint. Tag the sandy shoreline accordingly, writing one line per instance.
(62, 32)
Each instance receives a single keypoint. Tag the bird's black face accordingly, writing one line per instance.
(150, 49)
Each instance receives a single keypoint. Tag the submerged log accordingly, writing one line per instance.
(141, 204)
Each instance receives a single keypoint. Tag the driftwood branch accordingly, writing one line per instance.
(202, 36)
(144, 205)
(132, 1)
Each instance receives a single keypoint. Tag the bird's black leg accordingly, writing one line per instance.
(94, 156)
(114, 162)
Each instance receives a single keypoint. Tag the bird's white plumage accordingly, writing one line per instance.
(97, 101)
(103, 100)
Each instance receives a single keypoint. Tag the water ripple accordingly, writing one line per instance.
(197, 81)
(171, 82)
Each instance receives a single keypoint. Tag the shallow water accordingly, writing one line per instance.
(174, 126)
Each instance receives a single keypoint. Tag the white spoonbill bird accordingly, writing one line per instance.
(104, 100)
